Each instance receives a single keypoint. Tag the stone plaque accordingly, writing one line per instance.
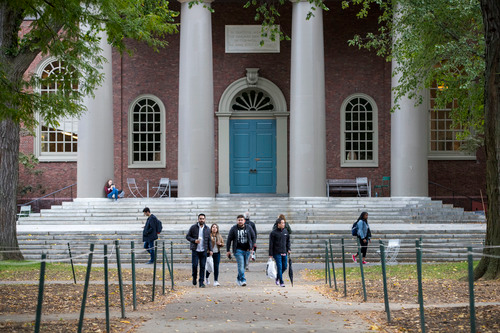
(247, 38)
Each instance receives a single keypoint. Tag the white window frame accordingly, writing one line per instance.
(37, 148)
(444, 155)
(354, 163)
(153, 164)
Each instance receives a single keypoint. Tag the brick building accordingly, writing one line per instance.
(224, 115)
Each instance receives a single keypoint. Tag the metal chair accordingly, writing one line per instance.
(163, 188)
(386, 183)
(134, 190)
(24, 211)
(362, 183)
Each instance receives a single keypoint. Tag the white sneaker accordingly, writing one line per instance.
(244, 283)
(238, 283)
(207, 281)
(216, 284)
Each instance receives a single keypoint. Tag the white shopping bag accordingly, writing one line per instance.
(209, 267)
(271, 269)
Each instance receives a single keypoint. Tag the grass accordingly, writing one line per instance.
(453, 271)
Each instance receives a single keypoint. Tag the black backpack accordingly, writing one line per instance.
(354, 229)
(159, 226)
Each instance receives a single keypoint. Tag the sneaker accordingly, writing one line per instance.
(150, 262)
(216, 284)
(354, 258)
(238, 283)
(194, 281)
(202, 285)
(282, 284)
(277, 282)
(244, 283)
(365, 262)
(207, 281)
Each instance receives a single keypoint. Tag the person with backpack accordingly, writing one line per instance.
(361, 229)
(150, 233)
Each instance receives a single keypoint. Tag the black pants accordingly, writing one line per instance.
(364, 246)
(200, 257)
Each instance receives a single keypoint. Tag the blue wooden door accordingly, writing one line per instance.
(253, 155)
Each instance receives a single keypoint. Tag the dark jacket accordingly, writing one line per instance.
(232, 237)
(254, 228)
(150, 232)
(279, 241)
(287, 226)
(192, 236)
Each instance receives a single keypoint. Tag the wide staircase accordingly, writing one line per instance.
(445, 230)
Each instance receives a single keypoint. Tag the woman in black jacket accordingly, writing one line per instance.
(279, 247)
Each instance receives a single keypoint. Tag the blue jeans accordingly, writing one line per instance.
(241, 259)
(150, 247)
(202, 258)
(216, 257)
(280, 265)
(113, 192)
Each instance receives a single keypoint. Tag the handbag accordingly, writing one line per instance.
(271, 270)
(209, 267)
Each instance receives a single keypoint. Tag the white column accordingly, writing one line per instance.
(409, 140)
(95, 135)
(307, 104)
(196, 168)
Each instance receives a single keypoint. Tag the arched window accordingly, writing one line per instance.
(252, 100)
(359, 132)
(147, 133)
(60, 142)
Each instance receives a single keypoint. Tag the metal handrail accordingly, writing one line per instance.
(453, 192)
(47, 195)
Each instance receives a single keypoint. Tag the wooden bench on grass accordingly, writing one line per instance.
(358, 187)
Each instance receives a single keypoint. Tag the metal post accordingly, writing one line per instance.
(343, 268)
(333, 264)
(327, 260)
(154, 272)
(72, 266)
(326, 265)
(420, 291)
(360, 256)
(106, 288)
(471, 290)
(41, 284)
(85, 288)
(120, 279)
(384, 278)
(163, 269)
(172, 263)
(134, 289)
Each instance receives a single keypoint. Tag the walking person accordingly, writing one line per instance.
(150, 233)
(252, 225)
(364, 234)
(240, 239)
(279, 248)
(200, 245)
(217, 244)
(287, 225)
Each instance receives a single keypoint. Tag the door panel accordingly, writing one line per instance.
(253, 155)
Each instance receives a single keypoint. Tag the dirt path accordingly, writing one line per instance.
(260, 306)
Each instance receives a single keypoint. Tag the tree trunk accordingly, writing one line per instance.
(489, 266)
(9, 174)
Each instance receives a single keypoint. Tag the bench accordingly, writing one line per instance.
(360, 186)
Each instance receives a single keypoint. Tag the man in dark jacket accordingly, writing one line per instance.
(200, 244)
(252, 225)
(279, 247)
(242, 239)
(150, 233)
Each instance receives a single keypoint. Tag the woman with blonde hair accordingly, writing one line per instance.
(217, 244)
